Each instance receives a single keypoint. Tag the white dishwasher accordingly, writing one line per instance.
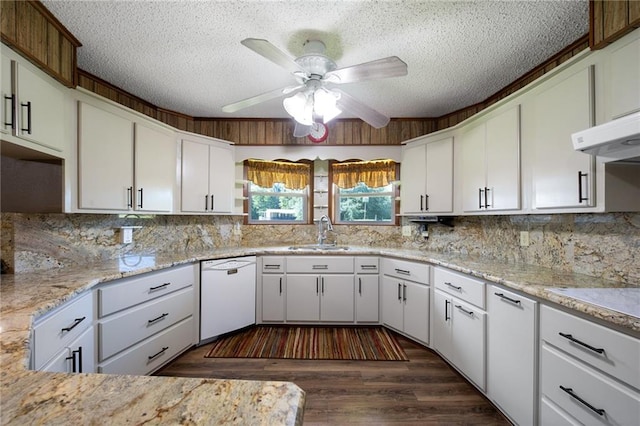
(227, 295)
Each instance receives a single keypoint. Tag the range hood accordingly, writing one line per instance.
(617, 140)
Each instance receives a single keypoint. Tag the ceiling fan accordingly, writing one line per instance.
(314, 100)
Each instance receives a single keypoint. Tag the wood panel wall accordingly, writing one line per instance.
(29, 28)
(611, 19)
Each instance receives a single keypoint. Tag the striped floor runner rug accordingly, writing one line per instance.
(337, 343)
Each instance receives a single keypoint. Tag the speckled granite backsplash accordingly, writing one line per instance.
(602, 245)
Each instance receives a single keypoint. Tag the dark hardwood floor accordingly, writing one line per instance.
(424, 390)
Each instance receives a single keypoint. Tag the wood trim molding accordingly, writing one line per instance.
(609, 20)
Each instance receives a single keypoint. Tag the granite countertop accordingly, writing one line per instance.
(87, 398)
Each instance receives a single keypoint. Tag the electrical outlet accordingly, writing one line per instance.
(126, 235)
(237, 230)
(524, 238)
(406, 231)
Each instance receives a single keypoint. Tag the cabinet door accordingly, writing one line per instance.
(221, 179)
(439, 176)
(367, 300)
(624, 84)
(336, 302)
(155, 166)
(468, 341)
(105, 160)
(6, 92)
(392, 305)
(473, 169)
(78, 357)
(503, 160)
(41, 108)
(511, 348)
(195, 177)
(416, 311)
(441, 328)
(273, 298)
(562, 177)
(413, 176)
(303, 298)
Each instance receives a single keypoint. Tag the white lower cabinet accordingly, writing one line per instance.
(367, 290)
(65, 332)
(589, 374)
(511, 354)
(405, 303)
(325, 298)
(77, 357)
(459, 323)
(271, 289)
(155, 325)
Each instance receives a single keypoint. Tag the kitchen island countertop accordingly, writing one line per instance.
(87, 398)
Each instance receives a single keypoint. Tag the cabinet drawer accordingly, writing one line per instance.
(461, 286)
(320, 264)
(132, 326)
(619, 353)
(412, 271)
(272, 265)
(132, 291)
(58, 329)
(551, 414)
(152, 353)
(367, 265)
(582, 392)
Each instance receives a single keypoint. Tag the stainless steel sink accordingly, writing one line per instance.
(319, 247)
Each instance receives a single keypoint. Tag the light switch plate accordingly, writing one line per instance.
(406, 231)
(524, 238)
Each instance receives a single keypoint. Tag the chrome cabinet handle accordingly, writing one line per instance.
(161, 317)
(586, 345)
(164, 349)
(74, 325)
(571, 393)
(503, 297)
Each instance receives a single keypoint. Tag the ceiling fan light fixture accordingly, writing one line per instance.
(324, 104)
(300, 107)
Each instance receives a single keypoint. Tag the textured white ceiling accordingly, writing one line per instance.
(186, 55)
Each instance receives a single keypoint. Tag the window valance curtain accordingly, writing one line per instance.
(266, 173)
(374, 174)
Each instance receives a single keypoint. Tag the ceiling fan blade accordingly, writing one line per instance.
(360, 110)
(380, 68)
(254, 100)
(267, 50)
(300, 130)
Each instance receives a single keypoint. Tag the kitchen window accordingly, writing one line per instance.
(364, 192)
(278, 191)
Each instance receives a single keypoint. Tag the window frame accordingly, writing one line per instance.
(306, 197)
(334, 200)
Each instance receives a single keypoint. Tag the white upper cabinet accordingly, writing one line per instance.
(561, 176)
(124, 165)
(208, 177)
(427, 177)
(33, 104)
(624, 81)
(490, 163)
(155, 169)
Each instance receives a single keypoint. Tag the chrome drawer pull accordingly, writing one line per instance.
(464, 310)
(503, 297)
(453, 286)
(574, 340)
(163, 316)
(164, 349)
(158, 287)
(570, 391)
(403, 272)
(75, 324)
(320, 267)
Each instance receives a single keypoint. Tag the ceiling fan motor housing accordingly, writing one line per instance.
(314, 60)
